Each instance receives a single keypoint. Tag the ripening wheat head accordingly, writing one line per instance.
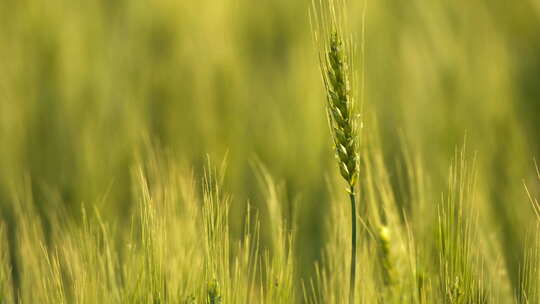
(336, 62)
(335, 55)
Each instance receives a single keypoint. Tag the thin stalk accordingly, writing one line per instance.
(352, 196)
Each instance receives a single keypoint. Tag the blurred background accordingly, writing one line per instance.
(84, 85)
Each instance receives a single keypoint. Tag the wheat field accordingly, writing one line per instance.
(179, 151)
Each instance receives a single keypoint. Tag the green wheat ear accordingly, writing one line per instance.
(340, 108)
(388, 271)
(214, 295)
(336, 54)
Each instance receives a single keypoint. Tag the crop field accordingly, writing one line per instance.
(269, 151)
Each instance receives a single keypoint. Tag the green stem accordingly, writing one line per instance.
(353, 245)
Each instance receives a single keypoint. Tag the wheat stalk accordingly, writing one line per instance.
(336, 54)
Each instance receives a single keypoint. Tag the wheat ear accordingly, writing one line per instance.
(336, 55)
